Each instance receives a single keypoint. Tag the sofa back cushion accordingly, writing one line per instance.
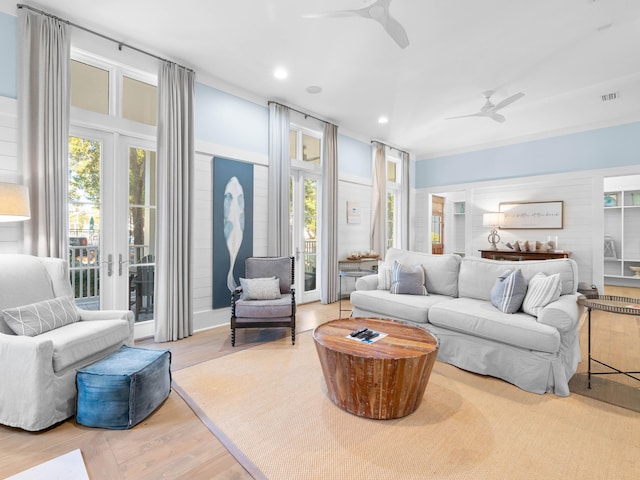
(441, 270)
(478, 275)
(23, 280)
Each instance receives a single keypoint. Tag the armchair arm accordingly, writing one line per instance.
(26, 377)
(96, 315)
(563, 314)
(368, 282)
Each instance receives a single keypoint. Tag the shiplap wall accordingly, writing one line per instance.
(10, 233)
(204, 315)
(580, 225)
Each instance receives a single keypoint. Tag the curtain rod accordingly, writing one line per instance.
(301, 113)
(389, 146)
(98, 34)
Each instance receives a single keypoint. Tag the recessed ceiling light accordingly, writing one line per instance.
(280, 73)
(383, 120)
(313, 89)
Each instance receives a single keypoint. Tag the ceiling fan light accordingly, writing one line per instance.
(382, 120)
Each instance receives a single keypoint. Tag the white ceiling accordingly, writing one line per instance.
(563, 54)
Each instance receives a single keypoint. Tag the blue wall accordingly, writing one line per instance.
(225, 119)
(8, 55)
(354, 156)
(602, 148)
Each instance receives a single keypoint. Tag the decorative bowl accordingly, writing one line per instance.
(636, 269)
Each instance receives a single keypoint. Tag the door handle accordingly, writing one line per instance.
(109, 265)
(120, 264)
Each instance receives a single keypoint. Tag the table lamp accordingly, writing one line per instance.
(493, 220)
(14, 203)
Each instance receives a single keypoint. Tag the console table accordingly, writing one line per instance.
(513, 255)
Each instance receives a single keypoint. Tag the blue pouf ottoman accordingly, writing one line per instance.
(122, 389)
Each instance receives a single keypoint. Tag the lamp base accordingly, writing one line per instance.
(493, 238)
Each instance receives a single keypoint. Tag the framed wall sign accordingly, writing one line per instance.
(530, 215)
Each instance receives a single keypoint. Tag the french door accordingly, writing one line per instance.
(305, 234)
(112, 218)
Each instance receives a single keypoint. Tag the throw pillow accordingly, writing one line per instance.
(40, 317)
(409, 279)
(384, 276)
(508, 292)
(541, 292)
(260, 288)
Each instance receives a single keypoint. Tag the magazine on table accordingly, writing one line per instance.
(366, 335)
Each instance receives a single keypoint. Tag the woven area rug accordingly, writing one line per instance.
(270, 402)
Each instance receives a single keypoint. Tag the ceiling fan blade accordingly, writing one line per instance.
(508, 101)
(479, 114)
(497, 117)
(335, 14)
(397, 32)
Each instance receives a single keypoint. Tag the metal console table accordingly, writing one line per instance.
(608, 303)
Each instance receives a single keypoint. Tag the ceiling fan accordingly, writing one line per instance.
(378, 11)
(490, 110)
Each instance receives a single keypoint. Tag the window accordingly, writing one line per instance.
(89, 87)
(139, 101)
(304, 208)
(108, 89)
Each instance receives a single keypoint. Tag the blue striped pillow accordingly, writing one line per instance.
(408, 279)
(508, 292)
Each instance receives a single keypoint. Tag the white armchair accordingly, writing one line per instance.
(38, 373)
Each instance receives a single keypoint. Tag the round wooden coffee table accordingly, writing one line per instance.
(380, 380)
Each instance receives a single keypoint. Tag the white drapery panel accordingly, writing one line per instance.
(279, 171)
(43, 106)
(329, 291)
(406, 201)
(379, 201)
(173, 280)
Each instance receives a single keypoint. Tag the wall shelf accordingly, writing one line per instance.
(622, 234)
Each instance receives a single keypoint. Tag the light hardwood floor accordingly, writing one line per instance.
(174, 443)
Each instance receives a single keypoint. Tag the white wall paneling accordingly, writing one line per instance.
(11, 233)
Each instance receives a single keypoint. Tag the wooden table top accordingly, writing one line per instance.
(402, 341)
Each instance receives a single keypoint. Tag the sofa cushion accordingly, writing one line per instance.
(477, 275)
(407, 279)
(481, 319)
(542, 290)
(414, 308)
(509, 291)
(260, 288)
(40, 317)
(77, 342)
(441, 270)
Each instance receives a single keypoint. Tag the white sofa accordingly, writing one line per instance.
(38, 373)
(538, 354)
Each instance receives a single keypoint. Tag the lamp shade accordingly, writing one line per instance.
(493, 219)
(14, 203)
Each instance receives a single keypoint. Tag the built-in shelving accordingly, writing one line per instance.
(622, 235)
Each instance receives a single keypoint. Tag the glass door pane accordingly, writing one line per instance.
(142, 228)
(84, 209)
(310, 230)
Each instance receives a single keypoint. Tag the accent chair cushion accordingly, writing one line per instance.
(509, 291)
(281, 307)
(260, 288)
(541, 292)
(41, 317)
(408, 279)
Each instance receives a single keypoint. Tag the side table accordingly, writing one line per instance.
(352, 274)
(608, 303)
